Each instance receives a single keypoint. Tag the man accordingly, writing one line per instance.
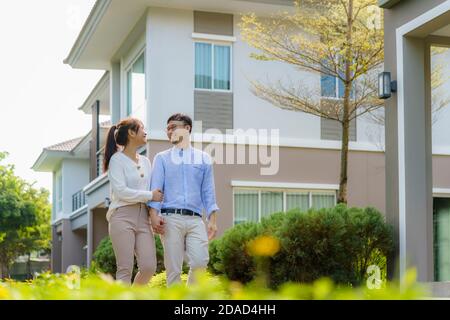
(185, 176)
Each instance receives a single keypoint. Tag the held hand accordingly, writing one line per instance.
(158, 196)
(157, 223)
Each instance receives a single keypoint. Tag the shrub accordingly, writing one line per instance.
(338, 243)
(104, 258)
(228, 254)
(49, 286)
(106, 261)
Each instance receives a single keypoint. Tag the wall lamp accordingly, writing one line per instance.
(385, 85)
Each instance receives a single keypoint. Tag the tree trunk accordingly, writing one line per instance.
(342, 196)
(29, 266)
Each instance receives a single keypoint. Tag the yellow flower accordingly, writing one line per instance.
(264, 246)
(4, 294)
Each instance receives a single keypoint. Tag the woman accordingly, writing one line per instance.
(128, 216)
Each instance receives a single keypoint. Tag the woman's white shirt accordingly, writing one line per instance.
(129, 181)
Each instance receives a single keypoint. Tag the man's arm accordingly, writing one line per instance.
(209, 199)
(157, 182)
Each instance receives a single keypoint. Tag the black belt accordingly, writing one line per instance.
(184, 212)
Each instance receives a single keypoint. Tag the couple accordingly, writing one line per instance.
(167, 199)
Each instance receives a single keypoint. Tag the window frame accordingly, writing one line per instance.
(336, 83)
(214, 43)
(126, 71)
(284, 191)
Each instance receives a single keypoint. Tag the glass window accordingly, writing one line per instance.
(203, 66)
(212, 66)
(222, 67)
(245, 206)
(328, 86)
(246, 202)
(299, 200)
(136, 89)
(441, 235)
(322, 200)
(271, 202)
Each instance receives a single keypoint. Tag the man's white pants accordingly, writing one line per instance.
(184, 235)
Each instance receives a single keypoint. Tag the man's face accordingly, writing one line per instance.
(177, 131)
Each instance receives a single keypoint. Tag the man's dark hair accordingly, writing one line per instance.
(181, 117)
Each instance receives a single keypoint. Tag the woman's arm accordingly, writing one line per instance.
(116, 176)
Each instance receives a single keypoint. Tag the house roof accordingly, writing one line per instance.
(113, 24)
(65, 145)
(100, 93)
(77, 148)
(386, 4)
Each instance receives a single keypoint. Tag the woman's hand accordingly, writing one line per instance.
(158, 196)
(157, 222)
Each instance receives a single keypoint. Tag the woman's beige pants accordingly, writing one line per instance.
(131, 235)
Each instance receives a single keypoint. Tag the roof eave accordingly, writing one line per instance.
(40, 162)
(87, 104)
(86, 32)
(387, 4)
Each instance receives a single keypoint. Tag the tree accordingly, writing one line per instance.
(24, 217)
(342, 39)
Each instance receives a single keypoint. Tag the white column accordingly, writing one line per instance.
(115, 92)
(414, 157)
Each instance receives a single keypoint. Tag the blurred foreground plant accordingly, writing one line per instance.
(100, 286)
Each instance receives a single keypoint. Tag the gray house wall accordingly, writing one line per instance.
(399, 13)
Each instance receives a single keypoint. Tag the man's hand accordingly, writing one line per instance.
(212, 226)
(157, 195)
(157, 222)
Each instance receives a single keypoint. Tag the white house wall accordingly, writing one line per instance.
(253, 112)
(170, 65)
(170, 81)
(75, 177)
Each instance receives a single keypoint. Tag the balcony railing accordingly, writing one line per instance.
(78, 200)
(100, 161)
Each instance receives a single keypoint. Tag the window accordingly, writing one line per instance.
(441, 238)
(136, 88)
(331, 87)
(59, 192)
(253, 204)
(212, 66)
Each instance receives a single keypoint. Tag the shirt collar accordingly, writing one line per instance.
(175, 148)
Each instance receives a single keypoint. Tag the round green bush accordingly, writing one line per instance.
(338, 242)
(105, 259)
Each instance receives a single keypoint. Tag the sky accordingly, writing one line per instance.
(39, 94)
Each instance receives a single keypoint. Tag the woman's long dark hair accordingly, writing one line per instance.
(118, 136)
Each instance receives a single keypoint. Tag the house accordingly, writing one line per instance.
(164, 57)
(413, 166)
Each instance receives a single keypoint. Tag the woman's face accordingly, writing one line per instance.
(140, 137)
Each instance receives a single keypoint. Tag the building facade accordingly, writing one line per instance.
(188, 56)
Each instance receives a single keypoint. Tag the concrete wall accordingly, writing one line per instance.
(100, 226)
(56, 253)
(170, 82)
(301, 165)
(416, 206)
(75, 176)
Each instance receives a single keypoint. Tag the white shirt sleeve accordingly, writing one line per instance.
(118, 184)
